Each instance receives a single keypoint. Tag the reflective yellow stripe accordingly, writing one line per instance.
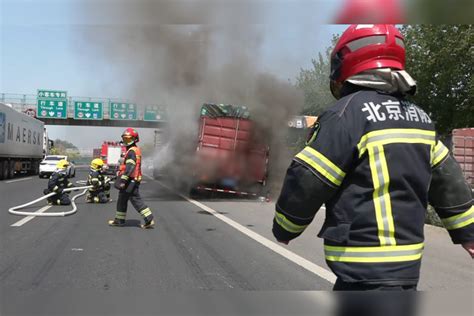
(130, 161)
(438, 153)
(146, 212)
(374, 254)
(124, 177)
(460, 220)
(120, 215)
(381, 196)
(322, 165)
(287, 225)
(396, 135)
(386, 198)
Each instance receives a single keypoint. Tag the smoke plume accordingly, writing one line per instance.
(182, 54)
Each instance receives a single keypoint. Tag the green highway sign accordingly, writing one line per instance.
(52, 94)
(123, 111)
(88, 110)
(52, 104)
(153, 113)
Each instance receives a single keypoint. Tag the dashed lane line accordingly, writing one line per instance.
(18, 180)
(302, 262)
(29, 218)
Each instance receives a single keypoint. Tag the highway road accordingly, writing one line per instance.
(206, 250)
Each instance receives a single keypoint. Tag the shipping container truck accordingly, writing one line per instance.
(23, 142)
(111, 153)
(463, 150)
(229, 157)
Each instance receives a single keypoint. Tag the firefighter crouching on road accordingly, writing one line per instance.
(128, 182)
(376, 162)
(59, 181)
(100, 192)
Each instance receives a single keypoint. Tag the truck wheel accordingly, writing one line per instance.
(11, 169)
(2, 175)
(36, 168)
(4, 170)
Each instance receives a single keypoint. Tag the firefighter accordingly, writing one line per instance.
(128, 182)
(100, 192)
(58, 181)
(374, 159)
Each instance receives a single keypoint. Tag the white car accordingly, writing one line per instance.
(48, 166)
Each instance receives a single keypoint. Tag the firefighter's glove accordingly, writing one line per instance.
(120, 184)
(46, 191)
(59, 190)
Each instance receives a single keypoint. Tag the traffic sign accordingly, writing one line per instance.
(52, 94)
(123, 111)
(153, 113)
(52, 104)
(88, 110)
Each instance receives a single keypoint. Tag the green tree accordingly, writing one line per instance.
(63, 144)
(315, 83)
(62, 147)
(441, 59)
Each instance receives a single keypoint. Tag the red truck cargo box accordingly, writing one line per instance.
(228, 154)
(463, 150)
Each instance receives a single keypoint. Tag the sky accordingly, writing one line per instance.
(42, 46)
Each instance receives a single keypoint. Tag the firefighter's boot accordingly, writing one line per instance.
(89, 198)
(117, 222)
(148, 225)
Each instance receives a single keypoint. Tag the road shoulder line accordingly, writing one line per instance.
(302, 262)
(18, 180)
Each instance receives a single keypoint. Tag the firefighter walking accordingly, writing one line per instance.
(375, 160)
(128, 183)
(100, 191)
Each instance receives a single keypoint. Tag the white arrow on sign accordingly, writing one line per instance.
(51, 113)
(123, 115)
(88, 115)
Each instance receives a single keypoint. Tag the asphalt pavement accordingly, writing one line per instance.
(199, 251)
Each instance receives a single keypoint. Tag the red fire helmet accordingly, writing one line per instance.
(367, 46)
(130, 136)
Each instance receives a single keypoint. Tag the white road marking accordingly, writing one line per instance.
(302, 262)
(18, 180)
(29, 218)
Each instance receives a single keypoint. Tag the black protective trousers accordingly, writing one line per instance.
(136, 200)
(354, 299)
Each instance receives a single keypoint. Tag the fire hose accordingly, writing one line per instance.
(13, 211)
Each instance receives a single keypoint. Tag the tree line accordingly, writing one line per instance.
(439, 57)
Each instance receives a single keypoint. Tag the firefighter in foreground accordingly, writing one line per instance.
(128, 182)
(376, 162)
(59, 181)
(100, 191)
